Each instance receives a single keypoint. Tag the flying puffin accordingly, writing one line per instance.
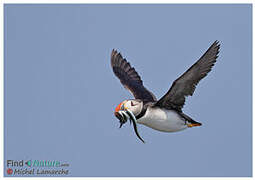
(166, 113)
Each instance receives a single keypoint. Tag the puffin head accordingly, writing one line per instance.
(128, 109)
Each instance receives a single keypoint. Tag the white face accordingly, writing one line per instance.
(135, 106)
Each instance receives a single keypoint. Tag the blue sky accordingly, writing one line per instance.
(60, 91)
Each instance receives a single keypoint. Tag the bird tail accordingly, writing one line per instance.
(190, 122)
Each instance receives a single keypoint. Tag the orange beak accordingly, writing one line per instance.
(116, 112)
(117, 109)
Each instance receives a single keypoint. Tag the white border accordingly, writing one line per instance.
(104, 2)
(2, 90)
(129, 1)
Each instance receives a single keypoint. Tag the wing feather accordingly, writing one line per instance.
(185, 85)
(129, 78)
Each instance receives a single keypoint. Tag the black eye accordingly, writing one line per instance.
(132, 104)
(122, 107)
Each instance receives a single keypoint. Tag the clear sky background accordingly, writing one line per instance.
(60, 91)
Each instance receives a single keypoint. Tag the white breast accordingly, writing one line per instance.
(162, 120)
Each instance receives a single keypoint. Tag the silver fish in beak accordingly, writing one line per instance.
(123, 116)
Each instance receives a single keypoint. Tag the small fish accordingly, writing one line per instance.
(123, 116)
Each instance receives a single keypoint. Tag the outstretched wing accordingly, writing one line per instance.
(185, 85)
(130, 78)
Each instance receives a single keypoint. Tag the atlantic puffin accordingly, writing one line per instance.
(165, 114)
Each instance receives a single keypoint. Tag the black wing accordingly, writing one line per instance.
(130, 78)
(185, 85)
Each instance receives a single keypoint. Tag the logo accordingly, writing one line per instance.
(36, 167)
(28, 163)
(9, 171)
